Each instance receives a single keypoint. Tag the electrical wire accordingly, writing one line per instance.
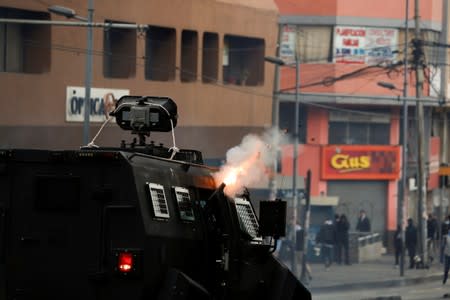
(328, 80)
(213, 80)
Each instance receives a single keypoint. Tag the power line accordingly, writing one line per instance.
(214, 81)
(178, 69)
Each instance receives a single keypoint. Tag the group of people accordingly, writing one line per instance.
(333, 238)
(410, 243)
(290, 252)
(438, 242)
(444, 237)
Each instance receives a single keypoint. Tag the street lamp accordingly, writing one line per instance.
(70, 13)
(275, 119)
(279, 62)
(388, 85)
(401, 192)
(66, 12)
(275, 60)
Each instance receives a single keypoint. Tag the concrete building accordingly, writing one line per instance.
(206, 55)
(209, 57)
(350, 127)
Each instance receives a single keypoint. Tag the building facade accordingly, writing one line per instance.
(206, 55)
(349, 124)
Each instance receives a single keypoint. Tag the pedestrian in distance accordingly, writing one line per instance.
(299, 252)
(284, 250)
(363, 224)
(326, 237)
(446, 243)
(287, 249)
(411, 242)
(398, 244)
(337, 220)
(444, 229)
(342, 240)
(432, 227)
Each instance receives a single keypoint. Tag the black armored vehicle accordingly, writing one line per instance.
(139, 221)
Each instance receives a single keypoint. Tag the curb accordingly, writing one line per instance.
(375, 284)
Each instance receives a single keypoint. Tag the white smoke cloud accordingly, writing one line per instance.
(251, 161)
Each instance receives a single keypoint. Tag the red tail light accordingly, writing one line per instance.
(125, 262)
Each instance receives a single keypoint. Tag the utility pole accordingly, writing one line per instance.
(295, 158)
(421, 182)
(402, 191)
(305, 226)
(275, 116)
(444, 134)
(293, 221)
(88, 76)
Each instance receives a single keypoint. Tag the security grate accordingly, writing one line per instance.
(184, 204)
(159, 202)
(247, 217)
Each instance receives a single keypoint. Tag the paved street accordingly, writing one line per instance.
(376, 278)
(422, 291)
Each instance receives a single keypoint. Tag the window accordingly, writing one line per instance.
(243, 60)
(366, 128)
(247, 219)
(189, 51)
(119, 59)
(432, 54)
(158, 200)
(314, 44)
(24, 48)
(160, 53)
(287, 120)
(184, 203)
(210, 57)
(337, 133)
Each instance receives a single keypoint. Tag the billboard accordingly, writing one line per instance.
(288, 44)
(364, 45)
(360, 162)
(75, 103)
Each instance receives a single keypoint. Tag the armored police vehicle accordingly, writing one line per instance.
(139, 221)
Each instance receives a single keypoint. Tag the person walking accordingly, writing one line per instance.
(299, 252)
(337, 220)
(432, 227)
(342, 240)
(446, 239)
(411, 241)
(363, 224)
(398, 244)
(444, 229)
(284, 251)
(326, 237)
(287, 249)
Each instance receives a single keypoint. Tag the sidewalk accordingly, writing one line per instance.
(377, 273)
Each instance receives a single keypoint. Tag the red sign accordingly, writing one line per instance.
(433, 159)
(360, 162)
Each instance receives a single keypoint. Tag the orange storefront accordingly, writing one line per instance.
(349, 125)
(342, 162)
(362, 176)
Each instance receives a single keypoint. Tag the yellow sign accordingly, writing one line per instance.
(444, 171)
(346, 162)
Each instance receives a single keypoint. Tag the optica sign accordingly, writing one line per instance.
(360, 162)
(75, 103)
